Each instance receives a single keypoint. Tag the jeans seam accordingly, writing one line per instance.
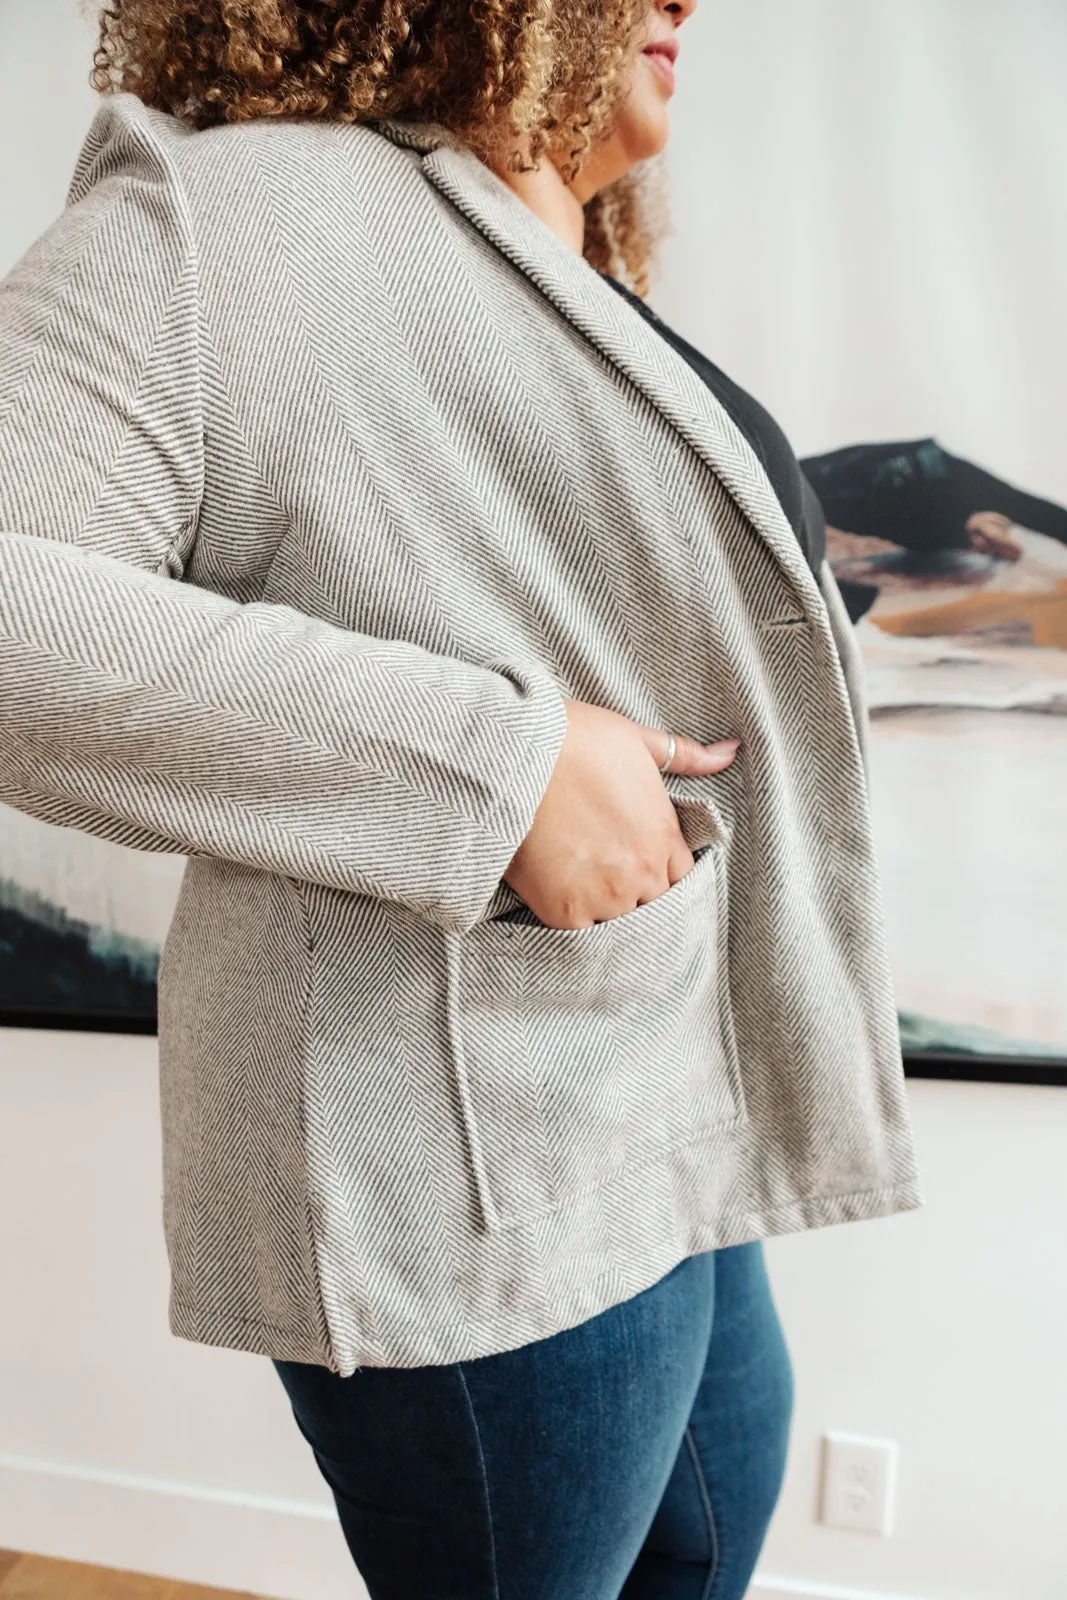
(702, 1484)
(485, 1479)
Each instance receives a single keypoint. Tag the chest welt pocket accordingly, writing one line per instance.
(582, 1053)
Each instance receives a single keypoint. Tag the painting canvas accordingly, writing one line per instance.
(956, 581)
(82, 923)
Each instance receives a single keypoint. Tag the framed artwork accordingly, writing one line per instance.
(956, 581)
(82, 923)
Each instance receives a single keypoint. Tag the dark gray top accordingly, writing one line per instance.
(798, 499)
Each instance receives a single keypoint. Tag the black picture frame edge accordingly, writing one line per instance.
(1040, 1071)
(79, 1022)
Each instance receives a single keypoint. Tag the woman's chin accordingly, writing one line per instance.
(646, 134)
(657, 139)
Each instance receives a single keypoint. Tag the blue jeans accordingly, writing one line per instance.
(637, 1456)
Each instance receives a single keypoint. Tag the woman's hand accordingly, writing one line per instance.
(605, 837)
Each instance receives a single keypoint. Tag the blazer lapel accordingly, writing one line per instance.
(603, 316)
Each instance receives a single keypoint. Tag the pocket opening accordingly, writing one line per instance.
(580, 1053)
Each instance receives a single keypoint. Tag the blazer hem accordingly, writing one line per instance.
(418, 1345)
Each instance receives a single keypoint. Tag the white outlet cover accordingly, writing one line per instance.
(859, 1480)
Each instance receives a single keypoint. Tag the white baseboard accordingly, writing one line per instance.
(764, 1587)
(223, 1539)
(226, 1540)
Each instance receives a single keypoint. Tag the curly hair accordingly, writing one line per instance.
(544, 74)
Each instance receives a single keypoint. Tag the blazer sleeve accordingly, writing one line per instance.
(852, 664)
(164, 716)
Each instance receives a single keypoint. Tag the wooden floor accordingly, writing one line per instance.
(24, 1577)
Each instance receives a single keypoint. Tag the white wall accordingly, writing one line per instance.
(943, 1329)
(871, 219)
(119, 1443)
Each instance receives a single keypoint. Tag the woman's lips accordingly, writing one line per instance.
(661, 58)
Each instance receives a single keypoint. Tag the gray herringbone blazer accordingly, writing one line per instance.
(326, 471)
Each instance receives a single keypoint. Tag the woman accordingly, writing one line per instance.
(528, 968)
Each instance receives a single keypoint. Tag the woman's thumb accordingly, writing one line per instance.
(687, 756)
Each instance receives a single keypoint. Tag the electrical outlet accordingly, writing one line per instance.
(859, 1479)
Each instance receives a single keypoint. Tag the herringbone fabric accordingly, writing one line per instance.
(421, 473)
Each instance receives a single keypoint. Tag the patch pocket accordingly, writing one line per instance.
(581, 1053)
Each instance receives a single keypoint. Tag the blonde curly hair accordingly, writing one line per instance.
(546, 74)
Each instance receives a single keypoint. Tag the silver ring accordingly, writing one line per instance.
(669, 757)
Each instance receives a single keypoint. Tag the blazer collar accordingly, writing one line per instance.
(616, 329)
